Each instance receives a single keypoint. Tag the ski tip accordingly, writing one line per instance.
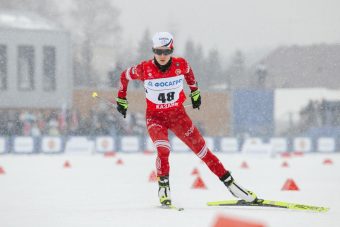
(324, 209)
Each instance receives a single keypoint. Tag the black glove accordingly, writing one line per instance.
(122, 106)
(196, 99)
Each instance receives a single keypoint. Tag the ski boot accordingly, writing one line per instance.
(164, 191)
(236, 190)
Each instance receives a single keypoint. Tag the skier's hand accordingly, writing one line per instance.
(196, 99)
(122, 106)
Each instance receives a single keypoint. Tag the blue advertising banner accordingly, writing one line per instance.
(253, 112)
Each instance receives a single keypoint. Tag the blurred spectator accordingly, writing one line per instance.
(35, 131)
(69, 122)
(53, 127)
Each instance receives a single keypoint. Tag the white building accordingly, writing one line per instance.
(35, 62)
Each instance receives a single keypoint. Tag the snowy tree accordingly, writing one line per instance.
(199, 66)
(125, 59)
(236, 72)
(214, 72)
(195, 57)
(144, 47)
(189, 51)
(94, 23)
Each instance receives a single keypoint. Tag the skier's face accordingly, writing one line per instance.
(162, 55)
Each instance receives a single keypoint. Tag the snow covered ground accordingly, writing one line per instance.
(36, 190)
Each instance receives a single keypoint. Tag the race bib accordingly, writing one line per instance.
(164, 90)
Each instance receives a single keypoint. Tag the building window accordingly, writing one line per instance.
(3, 67)
(25, 68)
(49, 68)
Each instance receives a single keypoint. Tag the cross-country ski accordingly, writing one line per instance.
(269, 203)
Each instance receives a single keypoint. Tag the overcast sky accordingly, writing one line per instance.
(233, 24)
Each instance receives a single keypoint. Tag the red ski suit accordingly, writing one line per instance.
(164, 98)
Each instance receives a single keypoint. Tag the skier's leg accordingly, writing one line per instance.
(159, 135)
(185, 130)
(189, 134)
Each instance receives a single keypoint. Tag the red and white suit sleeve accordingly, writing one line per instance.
(132, 73)
(190, 78)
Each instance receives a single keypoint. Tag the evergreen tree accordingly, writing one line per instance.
(236, 71)
(199, 67)
(144, 49)
(194, 55)
(96, 23)
(125, 59)
(214, 70)
(189, 51)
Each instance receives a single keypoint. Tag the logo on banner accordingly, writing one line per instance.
(51, 144)
(302, 144)
(105, 143)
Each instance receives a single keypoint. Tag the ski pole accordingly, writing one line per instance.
(104, 100)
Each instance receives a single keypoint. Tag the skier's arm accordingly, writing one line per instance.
(192, 83)
(190, 79)
(132, 73)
